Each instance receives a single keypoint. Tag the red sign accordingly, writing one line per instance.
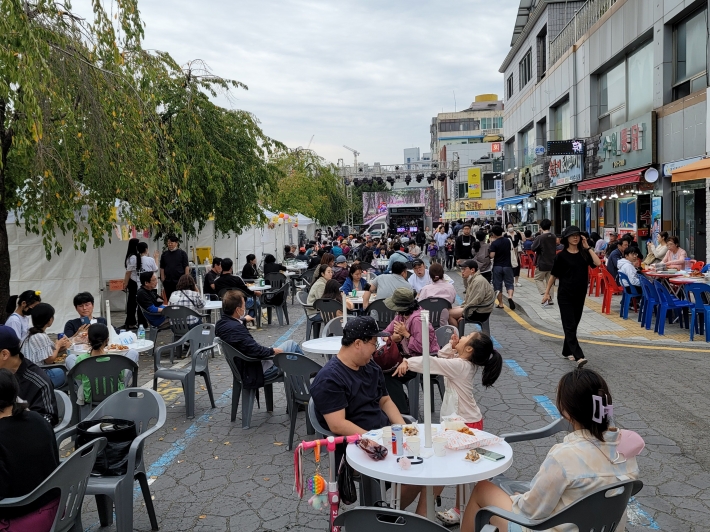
(496, 147)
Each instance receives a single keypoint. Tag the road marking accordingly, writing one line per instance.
(640, 517)
(512, 364)
(535, 330)
(548, 406)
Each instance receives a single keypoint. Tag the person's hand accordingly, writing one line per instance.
(454, 339)
(63, 344)
(585, 242)
(401, 369)
(257, 293)
(278, 351)
(81, 330)
(401, 329)
(156, 255)
(546, 298)
(248, 318)
(125, 286)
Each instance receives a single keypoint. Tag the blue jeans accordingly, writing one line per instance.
(288, 346)
(57, 377)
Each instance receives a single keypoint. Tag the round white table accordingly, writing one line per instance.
(139, 345)
(328, 346)
(255, 288)
(449, 470)
(213, 304)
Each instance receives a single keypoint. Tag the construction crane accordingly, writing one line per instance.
(355, 153)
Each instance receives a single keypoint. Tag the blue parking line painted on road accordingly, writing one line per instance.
(458, 300)
(287, 335)
(512, 364)
(548, 405)
(640, 517)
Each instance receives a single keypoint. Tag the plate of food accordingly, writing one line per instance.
(117, 348)
(410, 430)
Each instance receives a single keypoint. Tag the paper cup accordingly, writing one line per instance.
(439, 444)
(387, 437)
(413, 443)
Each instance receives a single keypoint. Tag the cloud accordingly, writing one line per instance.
(369, 74)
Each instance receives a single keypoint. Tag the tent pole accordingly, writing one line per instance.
(101, 285)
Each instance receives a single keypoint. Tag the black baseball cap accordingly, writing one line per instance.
(417, 262)
(472, 264)
(9, 339)
(361, 328)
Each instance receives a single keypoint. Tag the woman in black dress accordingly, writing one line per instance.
(571, 267)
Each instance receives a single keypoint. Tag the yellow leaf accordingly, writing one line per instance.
(78, 135)
(203, 516)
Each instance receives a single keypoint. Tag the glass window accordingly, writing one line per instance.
(690, 55)
(486, 123)
(527, 146)
(612, 97)
(489, 182)
(498, 122)
(640, 67)
(509, 91)
(563, 129)
(525, 69)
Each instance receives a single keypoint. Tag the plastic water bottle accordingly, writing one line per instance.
(141, 332)
(687, 265)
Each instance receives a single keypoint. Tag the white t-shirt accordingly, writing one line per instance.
(419, 282)
(147, 265)
(19, 324)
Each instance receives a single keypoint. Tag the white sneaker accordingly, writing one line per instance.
(518, 284)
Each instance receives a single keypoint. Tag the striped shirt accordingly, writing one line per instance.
(37, 348)
(189, 299)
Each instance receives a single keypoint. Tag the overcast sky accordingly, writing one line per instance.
(368, 74)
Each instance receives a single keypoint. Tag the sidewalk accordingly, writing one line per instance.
(596, 325)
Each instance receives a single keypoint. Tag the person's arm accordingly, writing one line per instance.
(342, 427)
(659, 251)
(388, 407)
(545, 491)
(586, 249)
(126, 278)
(186, 262)
(448, 367)
(162, 274)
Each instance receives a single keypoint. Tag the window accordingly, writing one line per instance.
(626, 91)
(563, 130)
(542, 53)
(542, 132)
(489, 183)
(690, 55)
(463, 190)
(509, 90)
(527, 146)
(525, 69)
(459, 125)
(498, 122)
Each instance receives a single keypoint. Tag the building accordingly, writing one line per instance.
(605, 103)
(473, 138)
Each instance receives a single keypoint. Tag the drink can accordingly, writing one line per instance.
(397, 440)
(354, 294)
(60, 336)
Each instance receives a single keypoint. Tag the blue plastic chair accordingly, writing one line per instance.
(630, 292)
(699, 306)
(649, 304)
(705, 269)
(668, 302)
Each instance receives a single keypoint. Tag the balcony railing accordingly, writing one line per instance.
(581, 22)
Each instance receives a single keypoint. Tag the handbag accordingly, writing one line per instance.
(513, 256)
(388, 357)
(119, 434)
(346, 482)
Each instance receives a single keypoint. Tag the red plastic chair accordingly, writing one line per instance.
(610, 289)
(532, 258)
(524, 260)
(594, 281)
(697, 266)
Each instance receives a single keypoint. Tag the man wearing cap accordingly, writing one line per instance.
(383, 286)
(340, 270)
(479, 294)
(35, 387)
(421, 276)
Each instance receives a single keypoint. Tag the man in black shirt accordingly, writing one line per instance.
(545, 245)
(500, 252)
(35, 387)
(227, 280)
(84, 305)
(148, 299)
(464, 245)
(173, 265)
(211, 276)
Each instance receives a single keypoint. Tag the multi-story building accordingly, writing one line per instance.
(624, 83)
(473, 137)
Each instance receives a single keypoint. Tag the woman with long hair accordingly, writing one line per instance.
(39, 348)
(29, 455)
(186, 295)
(134, 266)
(332, 291)
(21, 307)
(571, 267)
(657, 252)
(321, 276)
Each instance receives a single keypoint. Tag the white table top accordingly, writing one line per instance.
(447, 470)
(139, 345)
(213, 304)
(323, 346)
(297, 266)
(255, 288)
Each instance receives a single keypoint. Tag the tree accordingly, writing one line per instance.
(307, 184)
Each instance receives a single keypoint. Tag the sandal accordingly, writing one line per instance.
(449, 517)
(571, 358)
(499, 306)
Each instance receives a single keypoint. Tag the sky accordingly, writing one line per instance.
(369, 74)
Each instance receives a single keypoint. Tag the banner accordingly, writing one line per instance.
(474, 182)
(655, 219)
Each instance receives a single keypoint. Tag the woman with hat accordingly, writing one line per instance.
(406, 331)
(571, 267)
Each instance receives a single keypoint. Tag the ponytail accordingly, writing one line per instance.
(11, 305)
(486, 356)
(28, 296)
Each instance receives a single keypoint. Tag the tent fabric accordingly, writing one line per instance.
(690, 172)
(512, 200)
(623, 178)
(548, 194)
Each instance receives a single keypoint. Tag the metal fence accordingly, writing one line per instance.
(582, 21)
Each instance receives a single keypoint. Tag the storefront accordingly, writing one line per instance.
(515, 208)
(565, 170)
(689, 192)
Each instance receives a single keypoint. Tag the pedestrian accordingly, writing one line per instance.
(482, 256)
(571, 267)
(516, 237)
(501, 251)
(545, 245)
(464, 245)
(450, 250)
(173, 265)
(440, 238)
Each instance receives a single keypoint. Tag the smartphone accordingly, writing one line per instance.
(489, 455)
(85, 320)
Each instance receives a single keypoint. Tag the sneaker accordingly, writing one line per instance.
(581, 362)
(518, 284)
(449, 517)
(511, 304)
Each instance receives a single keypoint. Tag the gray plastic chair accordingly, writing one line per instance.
(435, 306)
(141, 405)
(251, 395)
(298, 371)
(65, 411)
(378, 310)
(512, 487)
(186, 376)
(602, 510)
(275, 279)
(197, 338)
(321, 431)
(333, 328)
(443, 334)
(328, 309)
(385, 520)
(104, 374)
(485, 325)
(179, 324)
(313, 321)
(152, 331)
(276, 300)
(70, 479)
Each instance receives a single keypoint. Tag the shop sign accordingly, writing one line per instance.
(525, 181)
(565, 147)
(477, 205)
(669, 167)
(496, 147)
(565, 169)
(474, 183)
(628, 146)
(499, 189)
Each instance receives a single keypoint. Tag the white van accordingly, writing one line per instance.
(378, 226)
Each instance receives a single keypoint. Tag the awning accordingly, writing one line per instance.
(690, 172)
(512, 200)
(624, 178)
(548, 194)
(492, 138)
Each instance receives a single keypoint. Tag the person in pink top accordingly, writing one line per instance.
(439, 288)
(675, 256)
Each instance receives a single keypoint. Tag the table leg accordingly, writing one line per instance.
(383, 490)
(430, 511)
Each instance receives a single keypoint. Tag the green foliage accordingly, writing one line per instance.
(357, 198)
(307, 184)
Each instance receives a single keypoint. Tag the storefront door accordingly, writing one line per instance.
(690, 217)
